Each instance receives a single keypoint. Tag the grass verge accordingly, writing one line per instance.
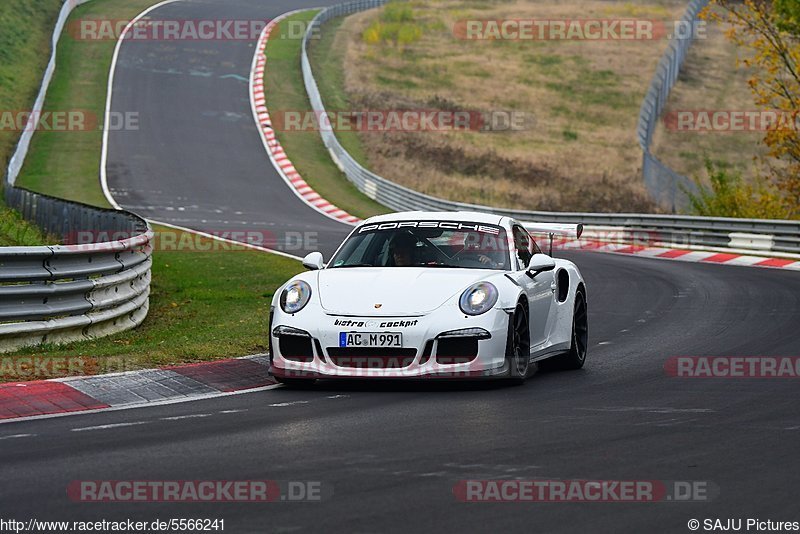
(285, 92)
(25, 30)
(17, 232)
(578, 101)
(327, 60)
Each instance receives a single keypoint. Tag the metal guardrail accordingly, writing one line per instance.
(95, 283)
(79, 289)
(664, 184)
(759, 235)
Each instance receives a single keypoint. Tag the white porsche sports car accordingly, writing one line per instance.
(431, 294)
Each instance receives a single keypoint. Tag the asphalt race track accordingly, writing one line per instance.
(390, 453)
(393, 452)
(197, 159)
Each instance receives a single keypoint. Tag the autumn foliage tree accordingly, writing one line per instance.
(769, 33)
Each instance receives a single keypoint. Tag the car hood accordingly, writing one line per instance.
(399, 290)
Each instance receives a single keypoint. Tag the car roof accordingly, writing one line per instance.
(459, 216)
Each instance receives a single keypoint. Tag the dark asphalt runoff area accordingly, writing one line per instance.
(389, 454)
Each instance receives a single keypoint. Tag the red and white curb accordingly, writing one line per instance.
(697, 256)
(149, 387)
(276, 153)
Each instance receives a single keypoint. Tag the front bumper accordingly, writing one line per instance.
(425, 352)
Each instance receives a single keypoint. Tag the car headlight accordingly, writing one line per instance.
(295, 296)
(478, 298)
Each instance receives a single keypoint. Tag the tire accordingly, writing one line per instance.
(299, 383)
(518, 346)
(576, 357)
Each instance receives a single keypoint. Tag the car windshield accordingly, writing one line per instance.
(432, 244)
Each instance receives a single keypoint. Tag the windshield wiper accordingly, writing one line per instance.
(353, 265)
(445, 265)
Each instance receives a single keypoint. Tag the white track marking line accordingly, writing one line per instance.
(282, 404)
(649, 409)
(188, 416)
(107, 427)
(17, 436)
(109, 96)
(144, 404)
(226, 240)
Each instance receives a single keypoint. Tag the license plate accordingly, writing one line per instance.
(370, 339)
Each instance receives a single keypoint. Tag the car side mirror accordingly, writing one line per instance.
(540, 263)
(314, 261)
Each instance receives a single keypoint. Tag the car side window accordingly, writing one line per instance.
(535, 247)
(524, 245)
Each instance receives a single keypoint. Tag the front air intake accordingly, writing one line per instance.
(371, 358)
(454, 350)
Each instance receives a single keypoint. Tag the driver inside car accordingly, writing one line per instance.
(402, 250)
(472, 250)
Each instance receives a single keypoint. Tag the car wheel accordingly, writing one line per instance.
(518, 346)
(576, 357)
(298, 383)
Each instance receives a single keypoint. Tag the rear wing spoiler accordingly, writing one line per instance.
(570, 231)
(567, 230)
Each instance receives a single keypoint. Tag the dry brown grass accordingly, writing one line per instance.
(710, 80)
(581, 153)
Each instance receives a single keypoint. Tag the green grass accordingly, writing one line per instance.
(396, 25)
(593, 88)
(203, 306)
(327, 61)
(285, 92)
(25, 30)
(16, 232)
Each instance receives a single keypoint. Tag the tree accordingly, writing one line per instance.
(769, 32)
